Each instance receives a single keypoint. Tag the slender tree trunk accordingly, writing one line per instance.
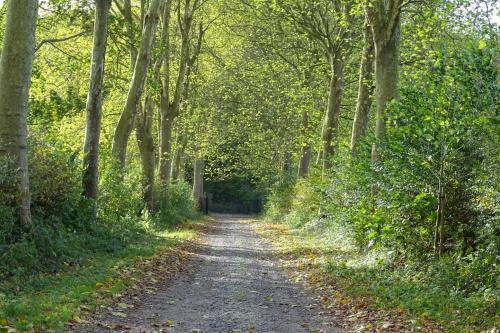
(94, 104)
(145, 142)
(182, 167)
(129, 26)
(305, 150)
(329, 133)
(165, 117)
(365, 89)
(305, 160)
(15, 76)
(127, 118)
(144, 134)
(167, 124)
(199, 165)
(178, 157)
(170, 110)
(386, 77)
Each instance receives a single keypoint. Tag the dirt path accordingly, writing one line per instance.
(233, 284)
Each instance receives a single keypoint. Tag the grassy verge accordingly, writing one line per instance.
(44, 303)
(370, 296)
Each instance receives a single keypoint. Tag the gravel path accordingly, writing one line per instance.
(233, 284)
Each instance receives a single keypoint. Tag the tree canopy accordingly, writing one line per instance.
(378, 115)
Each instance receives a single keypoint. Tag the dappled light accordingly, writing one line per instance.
(265, 166)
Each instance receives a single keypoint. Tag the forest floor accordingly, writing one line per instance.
(233, 283)
(365, 296)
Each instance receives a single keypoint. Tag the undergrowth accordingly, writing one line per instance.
(64, 259)
(415, 292)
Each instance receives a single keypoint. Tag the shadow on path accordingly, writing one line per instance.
(233, 284)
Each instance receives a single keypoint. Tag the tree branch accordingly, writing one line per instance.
(57, 40)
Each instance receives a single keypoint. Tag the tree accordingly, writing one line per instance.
(330, 25)
(171, 107)
(385, 19)
(127, 118)
(365, 88)
(94, 103)
(199, 165)
(15, 77)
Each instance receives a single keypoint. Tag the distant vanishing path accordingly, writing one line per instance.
(233, 284)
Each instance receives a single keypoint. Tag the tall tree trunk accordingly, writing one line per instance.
(144, 134)
(199, 165)
(127, 118)
(15, 76)
(145, 141)
(385, 20)
(165, 117)
(305, 150)
(129, 26)
(365, 89)
(329, 133)
(170, 110)
(178, 157)
(93, 108)
(167, 124)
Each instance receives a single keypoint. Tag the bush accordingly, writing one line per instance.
(62, 235)
(442, 134)
(181, 205)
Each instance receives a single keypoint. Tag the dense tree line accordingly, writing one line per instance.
(377, 115)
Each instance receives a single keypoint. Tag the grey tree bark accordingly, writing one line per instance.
(306, 149)
(145, 142)
(365, 89)
(171, 109)
(199, 165)
(93, 108)
(16, 64)
(330, 26)
(126, 11)
(329, 133)
(385, 19)
(166, 120)
(178, 157)
(126, 122)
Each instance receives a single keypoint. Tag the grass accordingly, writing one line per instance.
(359, 280)
(44, 303)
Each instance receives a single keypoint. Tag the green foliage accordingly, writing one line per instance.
(61, 236)
(279, 200)
(181, 205)
(443, 133)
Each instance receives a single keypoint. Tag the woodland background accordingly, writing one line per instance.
(370, 126)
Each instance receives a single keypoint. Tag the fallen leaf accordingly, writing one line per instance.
(119, 314)
(125, 305)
